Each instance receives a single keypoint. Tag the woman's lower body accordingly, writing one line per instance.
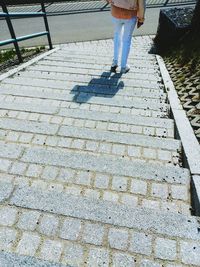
(123, 30)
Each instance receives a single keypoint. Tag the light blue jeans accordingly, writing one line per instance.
(123, 30)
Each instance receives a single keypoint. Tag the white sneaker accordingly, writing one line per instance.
(126, 69)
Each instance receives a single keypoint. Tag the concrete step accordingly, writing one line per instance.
(130, 146)
(100, 56)
(101, 120)
(58, 61)
(99, 64)
(61, 79)
(48, 106)
(107, 164)
(12, 89)
(121, 138)
(134, 103)
(64, 68)
(62, 84)
(86, 232)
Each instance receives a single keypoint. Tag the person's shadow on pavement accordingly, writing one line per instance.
(107, 85)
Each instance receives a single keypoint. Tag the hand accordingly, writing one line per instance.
(139, 24)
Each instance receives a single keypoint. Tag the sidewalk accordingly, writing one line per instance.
(90, 171)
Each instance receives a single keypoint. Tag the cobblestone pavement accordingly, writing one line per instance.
(90, 171)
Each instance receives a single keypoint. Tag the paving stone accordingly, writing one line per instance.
(165, 249)
(28, 244)
(98, 257)
(101, 181)
(51, 250)
(34, 170)
(190, 252)
(123, 260)
(105, 147)
(83, 178)
(92, 193)
(39, 139)
(119, 183)
(78, 143)
(73, 255)
(28, 220)
(7, 238)
(141, 243)
(4, 165)
(110, 196)
(129, 200)
(118, 149)
(160, 190)
(6, 189)
(12, 136)
(138, 187)
(134, 151)
(151, 204)
(149, 153)
(179, 192)
(48, 225)
(50, 173)
(10, 151)
(71, 229)
(118, 239)
(18, 168)
(93, 234)
(25, 138)
(66, 175)
(7, 216)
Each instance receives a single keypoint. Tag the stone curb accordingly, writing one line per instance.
(196, 194)
(191, 147)
(27, 64)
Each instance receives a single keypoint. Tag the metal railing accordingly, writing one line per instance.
(14, 40)
(68, 7)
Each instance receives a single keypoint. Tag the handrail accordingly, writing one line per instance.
(7, 15)
(24, 14)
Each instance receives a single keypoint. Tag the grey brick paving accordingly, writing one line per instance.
(91, 158)
(7, 216)
(80, 207)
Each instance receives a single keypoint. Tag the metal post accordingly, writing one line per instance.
(12, 32)
(46, 25)
(166, 2)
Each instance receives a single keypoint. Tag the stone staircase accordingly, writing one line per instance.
(90, 171)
